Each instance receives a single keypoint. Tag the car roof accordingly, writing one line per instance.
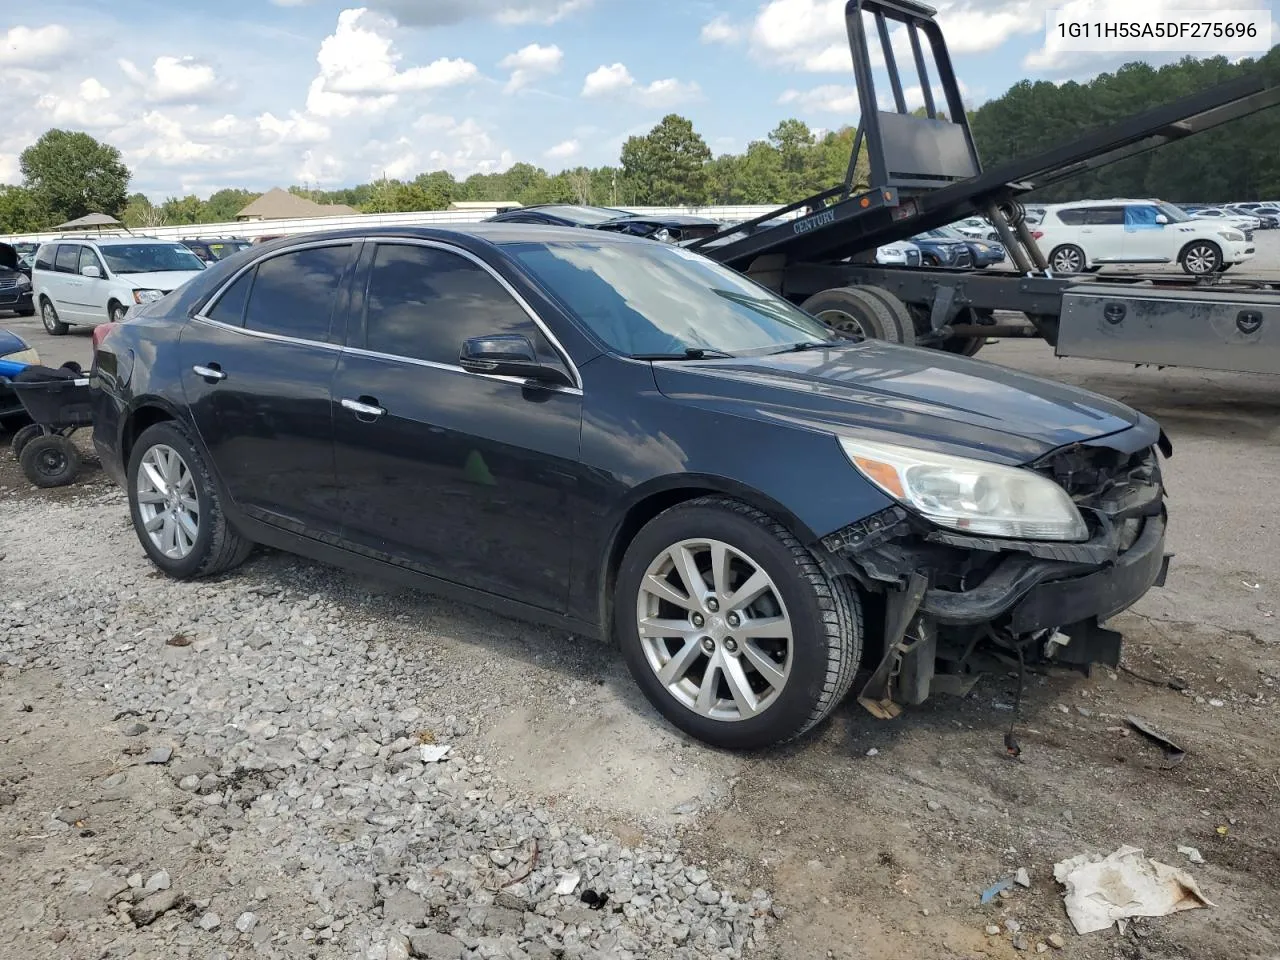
(488, 233)
(112, 241)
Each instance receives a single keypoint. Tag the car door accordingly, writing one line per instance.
(1146, 240)
(68, 285)
(1103, 234)
(467, 477)
(257, 364)
(95, 291)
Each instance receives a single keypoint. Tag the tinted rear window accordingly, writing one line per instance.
(294, 293)
(44, 259)
(230, 306)
(67, 258)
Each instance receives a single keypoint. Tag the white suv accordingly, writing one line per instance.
(1082, 237)
(85, 282)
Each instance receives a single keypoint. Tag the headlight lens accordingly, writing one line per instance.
(972, 496)
(28, 355)
(1235, 235)
(981, 247)
(23, 281)
(147, 296)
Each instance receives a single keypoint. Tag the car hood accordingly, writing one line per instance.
(907, 395)
(160, 280)
(11, 343)
(8, 256)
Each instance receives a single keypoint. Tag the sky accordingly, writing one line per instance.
(262, 93)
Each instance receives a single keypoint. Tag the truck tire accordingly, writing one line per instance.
(854, 310)
(900, 311)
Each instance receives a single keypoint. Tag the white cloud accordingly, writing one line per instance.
(442, 142)
(359, 60)
(33, 46)
(721, 30)
(296, 129)
(616, 80)
(830, 98)
(565, 150)
(83, 109)
(431, 13)
(531, 62)
(174, 79)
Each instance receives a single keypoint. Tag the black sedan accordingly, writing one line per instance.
(628, 440)
(15, 283)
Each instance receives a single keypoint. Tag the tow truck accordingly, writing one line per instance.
(925, 172)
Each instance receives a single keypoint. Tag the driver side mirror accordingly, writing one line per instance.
(91, 270)
(509, 355)
(1161, 219)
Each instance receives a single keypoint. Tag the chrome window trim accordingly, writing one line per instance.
(556, 345)
(455, 368)
(264, 335)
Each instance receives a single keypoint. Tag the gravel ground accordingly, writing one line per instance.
(234, 768)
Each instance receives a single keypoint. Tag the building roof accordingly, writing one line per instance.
(278, 204)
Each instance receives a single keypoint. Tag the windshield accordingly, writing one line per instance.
(657, 299)
(149, 258)
(1173, 213)
(221, 250)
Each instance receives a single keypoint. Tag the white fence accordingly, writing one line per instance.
(271, 228)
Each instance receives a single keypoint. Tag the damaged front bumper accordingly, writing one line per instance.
(954, 604)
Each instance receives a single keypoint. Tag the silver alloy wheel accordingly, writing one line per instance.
(167, 501)
(1202, 258)
(844, 321)
(118, 313)
(714, 629)
(48, 316)
(1068, 260)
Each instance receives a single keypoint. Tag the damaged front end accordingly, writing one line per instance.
(956, 605)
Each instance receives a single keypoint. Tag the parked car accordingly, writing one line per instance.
(82, 282)
(15, 283)
(985, 253)
(1241, 221)
(669, 228)
(13, 416)
(1082, 237)
(560, 215)
(625, 439)
(1264, 221)
(900, 254)
(213, 250)
(939, 250)
(976, 228)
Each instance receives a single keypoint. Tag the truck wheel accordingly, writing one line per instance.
(1067, 258)
(897, 308)
(49, 316)
(731, 627)
(1200, 258)
(853, 310)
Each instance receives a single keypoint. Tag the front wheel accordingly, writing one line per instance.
(1067, 258)
(176, 508)
(49, 317)
(1201, 258)
(731, 628)
(116, 312)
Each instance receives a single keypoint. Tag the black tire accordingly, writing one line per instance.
(825, 613)
(22, 436)
(50, 461)
(854, 310)
(217, 547)
(1072, 257)
(1094, 269)
(49, 317)
(900, 312)
(116, 312)
(1224, 267)
(1200, 258)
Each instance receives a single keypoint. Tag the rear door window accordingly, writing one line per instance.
(67, 258)
(1072, 218)
(44, 257)
(230, 306)
(1104, 216)
(295, 293)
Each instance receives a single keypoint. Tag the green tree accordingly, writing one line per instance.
(141, 212)
(183, 210)
(19, 212)
(72, 174)
(440, 189)
(223, 206)
(668, 165)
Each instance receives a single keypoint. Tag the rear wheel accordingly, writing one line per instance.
(854, 310)
(1201, 258)
(1067, 258)
(731, 628)
(22, 437)
(50, 461)
(176, 508)
(49, 317)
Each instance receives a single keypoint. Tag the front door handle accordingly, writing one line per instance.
(365, 407)
(211, 372)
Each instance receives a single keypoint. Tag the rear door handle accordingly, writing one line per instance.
(362, 409)
(211, 372)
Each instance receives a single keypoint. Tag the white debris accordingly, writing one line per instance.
(568, 883)
(432, 753)
(1103, 890)
(1022, 878)
(1192, 854)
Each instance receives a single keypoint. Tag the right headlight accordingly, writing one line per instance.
(971, 496)
(1235, 235)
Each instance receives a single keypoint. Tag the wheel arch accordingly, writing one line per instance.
(657, 496)
(146, 413)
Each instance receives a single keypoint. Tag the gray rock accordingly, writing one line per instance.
(134, 729)
(404, 907)
(159, 755)
(109, 888)
(431, 945)
(1019, 942)
(1012, 925)
(151, 908)
(1056, 941)
(512, 901)
(500, 919)
(210, 921)
(398, 948)
(157, 881)
(934, 806)
(246, 921)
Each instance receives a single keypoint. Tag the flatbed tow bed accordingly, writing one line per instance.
(926, 173)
